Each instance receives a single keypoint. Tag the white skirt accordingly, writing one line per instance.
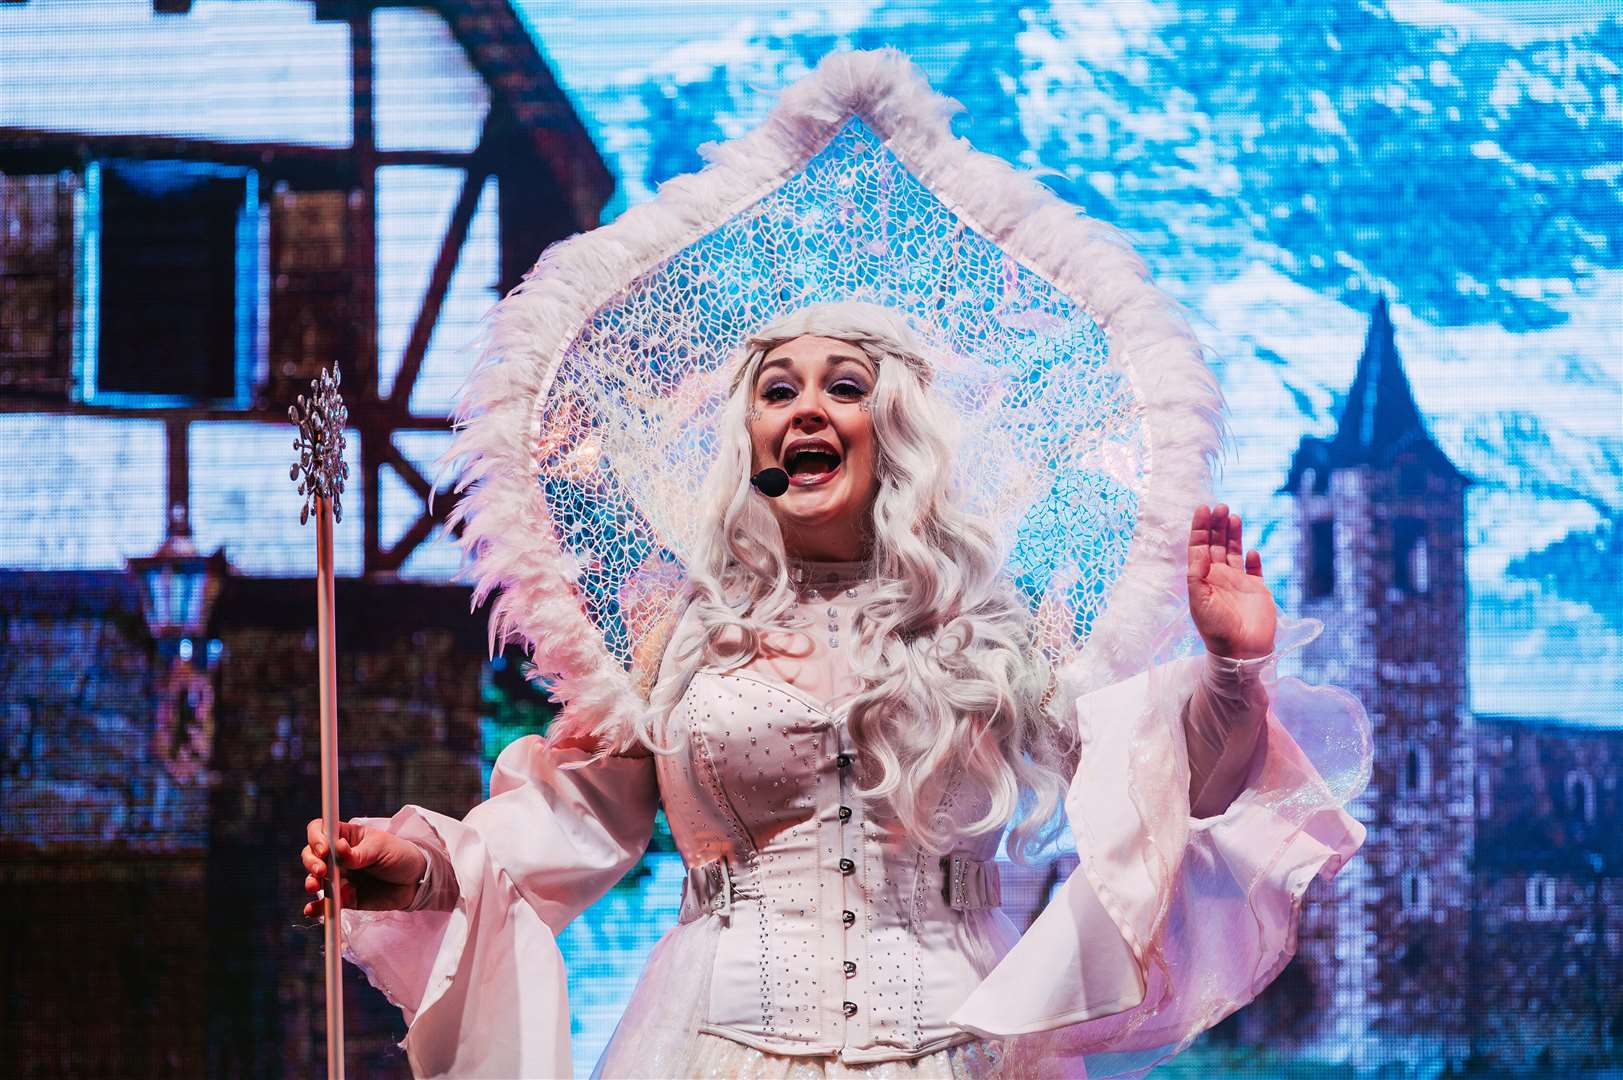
(723, 1059)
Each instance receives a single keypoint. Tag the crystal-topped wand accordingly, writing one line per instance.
(321, 472)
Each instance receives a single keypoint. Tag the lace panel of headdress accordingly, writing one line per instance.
(1052, 446)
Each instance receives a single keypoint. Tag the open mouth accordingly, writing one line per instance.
(811, 462)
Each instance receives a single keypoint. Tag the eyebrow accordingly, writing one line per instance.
(831, 359)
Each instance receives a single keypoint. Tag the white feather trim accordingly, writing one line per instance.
(507, 532)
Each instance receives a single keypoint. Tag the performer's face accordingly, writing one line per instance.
(809, 417)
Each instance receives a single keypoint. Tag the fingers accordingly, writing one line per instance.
(316, 906)
(1199, 524)
(1217, 537)
(313, 858)
(1200, 556)
(316, 837)
(1218, 534)
(346, 853)
(350, 837)
(374, 862)
(316, 866)
(1226, 541)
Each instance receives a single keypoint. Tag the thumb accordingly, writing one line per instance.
(357, 845)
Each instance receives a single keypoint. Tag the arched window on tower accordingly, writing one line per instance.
(1416, 892)
(1580, 796)
(1540, 897)
(1414, 771)
(1321, 568)
(1411, 570)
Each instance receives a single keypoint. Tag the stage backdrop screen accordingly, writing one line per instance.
(1403, 217)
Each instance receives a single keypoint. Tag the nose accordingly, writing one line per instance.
(809, 414)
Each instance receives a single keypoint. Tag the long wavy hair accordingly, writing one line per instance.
(954, 684)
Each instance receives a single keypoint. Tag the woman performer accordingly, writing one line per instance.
(849, 716)
(828, 676)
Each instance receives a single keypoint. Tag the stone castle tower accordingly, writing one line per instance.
(1380, 514)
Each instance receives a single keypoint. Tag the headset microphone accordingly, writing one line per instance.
(771, 482)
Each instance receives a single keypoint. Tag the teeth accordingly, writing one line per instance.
(814, 456)
(796, 455)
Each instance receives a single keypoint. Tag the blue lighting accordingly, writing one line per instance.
(87, 283)
(252, 284)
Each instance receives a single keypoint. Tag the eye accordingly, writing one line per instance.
(778, 392)
(848, 390)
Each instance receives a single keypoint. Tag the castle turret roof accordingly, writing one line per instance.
(1379, 421)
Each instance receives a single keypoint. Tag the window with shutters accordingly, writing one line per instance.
(1411, 570)
(36, 284)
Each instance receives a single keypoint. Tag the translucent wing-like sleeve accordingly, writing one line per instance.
(481, 985)
(1171, 922)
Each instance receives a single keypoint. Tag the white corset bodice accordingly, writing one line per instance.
(837, 934)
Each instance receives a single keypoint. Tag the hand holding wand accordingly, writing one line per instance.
(320, 445)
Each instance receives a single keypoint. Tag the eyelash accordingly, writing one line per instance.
(845, 388)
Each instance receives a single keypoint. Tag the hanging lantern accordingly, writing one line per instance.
(179, 586)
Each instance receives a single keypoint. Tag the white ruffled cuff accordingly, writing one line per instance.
(437, 889)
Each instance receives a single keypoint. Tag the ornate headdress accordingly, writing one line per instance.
(588, 425)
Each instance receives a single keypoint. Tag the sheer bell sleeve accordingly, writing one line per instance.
(1225, 725)
(474, 965)
(1174, 920)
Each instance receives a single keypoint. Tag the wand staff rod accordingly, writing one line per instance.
(321, 460)
(327, 660)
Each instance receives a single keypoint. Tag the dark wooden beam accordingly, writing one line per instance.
(499, 47)
(527, 202)
(360, 415)
(364, 273)
(371, 443)
(332, 166)
(408, 472)
(436, 507)
(439, 283)
(179, 506)
(446, 159)
(392, 560)
(32, 150)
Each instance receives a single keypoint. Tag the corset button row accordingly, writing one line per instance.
(847, 868)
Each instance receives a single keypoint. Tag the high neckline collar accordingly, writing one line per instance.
(820, 566)
(809, 572)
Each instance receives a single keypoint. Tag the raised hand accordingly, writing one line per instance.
(381, 870)
(1230, 605)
